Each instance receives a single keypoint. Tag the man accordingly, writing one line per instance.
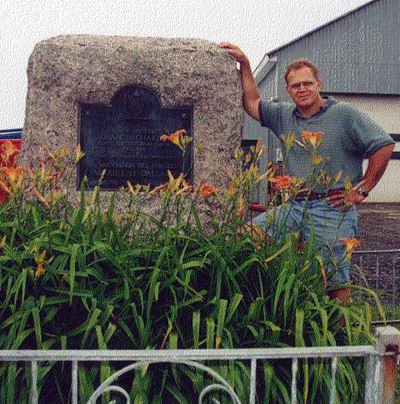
(348, 137)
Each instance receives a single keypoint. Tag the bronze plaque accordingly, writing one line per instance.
(124, 140)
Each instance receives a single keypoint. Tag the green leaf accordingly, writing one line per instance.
(109, 332)
(223, 303)
(63, 342)
(87, 326)
(196, 329)
(280, 287)
(179, 397)
(20, 338)
(288, 295)
(72, 270)
(255, 309)
(233, 305)
(210, 326)
(143, 334)
(299, 338)
(279, 252)
(268, 371)
(193, 264)
(173, 341)
(37, 327)
(105, 370)
(127, 331)
(10, 383)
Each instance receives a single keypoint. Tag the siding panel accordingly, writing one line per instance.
(358, 53)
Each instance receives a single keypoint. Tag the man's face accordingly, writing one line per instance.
(303, 87)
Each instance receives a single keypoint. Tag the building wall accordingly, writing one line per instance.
(385, 110)
(351, 52)
(252, 128)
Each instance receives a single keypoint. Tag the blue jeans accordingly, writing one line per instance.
(329, 225)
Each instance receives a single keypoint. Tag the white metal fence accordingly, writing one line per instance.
(379, 376)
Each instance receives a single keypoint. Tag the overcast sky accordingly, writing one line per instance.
(257, 26)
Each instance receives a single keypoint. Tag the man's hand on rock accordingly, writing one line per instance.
(235, 51)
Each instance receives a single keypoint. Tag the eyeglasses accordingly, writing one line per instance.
(305, 84)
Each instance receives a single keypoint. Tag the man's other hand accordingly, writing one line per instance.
(353, 197)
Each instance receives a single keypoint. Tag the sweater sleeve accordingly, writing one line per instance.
(270, 115)
(366, 133)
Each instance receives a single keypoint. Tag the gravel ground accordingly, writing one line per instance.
(379, 229)
(379, 226)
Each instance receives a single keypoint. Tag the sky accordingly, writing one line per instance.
(257, 26)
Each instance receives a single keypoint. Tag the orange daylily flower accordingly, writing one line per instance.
(186, 188)
(281, 182)
(313, 138)
(173, 138)
(10, 178)
(178, 138)
(13, 174)
(78, 153)
(206, 189)
(322, 271)
(232, 188)
(3, 241)
(40, 197)
(157, 189)
(288, 140)
(316, 159)
(240, 208)
(40, 265)
(8, 152)
(177, 185)
(350, 243)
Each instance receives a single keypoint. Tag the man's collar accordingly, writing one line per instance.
(329, 100)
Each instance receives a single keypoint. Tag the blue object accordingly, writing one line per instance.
(10, 133)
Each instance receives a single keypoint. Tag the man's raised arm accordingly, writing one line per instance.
(251, 95)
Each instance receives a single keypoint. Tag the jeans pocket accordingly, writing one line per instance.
(341, 208)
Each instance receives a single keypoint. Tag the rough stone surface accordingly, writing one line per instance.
(68, 70)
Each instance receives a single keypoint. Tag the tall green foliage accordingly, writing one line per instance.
(195, 275)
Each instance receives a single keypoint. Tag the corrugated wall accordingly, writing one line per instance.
(359, 53)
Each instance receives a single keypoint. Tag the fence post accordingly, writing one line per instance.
(388, 340)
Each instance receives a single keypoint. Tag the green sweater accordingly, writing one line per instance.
(349, 137)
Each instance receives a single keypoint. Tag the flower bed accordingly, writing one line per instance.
(196, 276)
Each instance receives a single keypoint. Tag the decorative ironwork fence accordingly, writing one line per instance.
(380, 370)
